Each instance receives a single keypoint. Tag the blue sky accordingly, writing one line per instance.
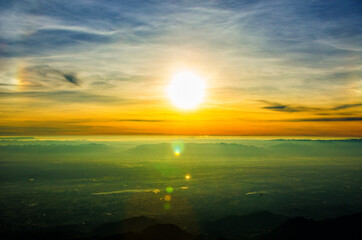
(255, 55)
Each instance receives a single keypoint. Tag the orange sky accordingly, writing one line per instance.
(270, 69)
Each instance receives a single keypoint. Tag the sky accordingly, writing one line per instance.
(272, 68)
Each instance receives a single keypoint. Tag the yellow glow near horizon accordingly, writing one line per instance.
(187, 177)
(186, 90)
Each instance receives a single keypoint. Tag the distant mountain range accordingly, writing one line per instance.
(232, 150)
(258, 226)
(345, 227)
(195, 150)
(295, 148)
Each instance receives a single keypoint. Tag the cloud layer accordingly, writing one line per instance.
(112, 60)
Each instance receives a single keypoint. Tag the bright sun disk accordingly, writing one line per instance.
(186, 90)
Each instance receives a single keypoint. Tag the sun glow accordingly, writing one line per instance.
(186, 90)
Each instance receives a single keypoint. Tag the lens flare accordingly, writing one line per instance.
(167, 206)
(169, 189)
(168, 197)
(187, 177)
(178, 147)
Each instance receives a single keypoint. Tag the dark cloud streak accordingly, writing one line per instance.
(339, 119)
(345, 106)
(71, 78)
(45, 70)
(299, 108)
(287, 108)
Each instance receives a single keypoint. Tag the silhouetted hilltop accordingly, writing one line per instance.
(261, 226)
(121, 236)
(135, 224)
(236, 226)
(61, 232)
(154, 232)
(165, 232)
(346, 227)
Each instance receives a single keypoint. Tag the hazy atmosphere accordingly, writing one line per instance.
(180, 120)
(190, 181)
(100, 67)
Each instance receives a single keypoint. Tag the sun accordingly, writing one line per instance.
(186, 90)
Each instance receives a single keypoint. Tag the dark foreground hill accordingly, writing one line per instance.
(154, 232)
(258, 226)
(346, 227)
(244, 226)
(135, 224)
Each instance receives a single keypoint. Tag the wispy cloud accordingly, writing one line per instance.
(62, 96)
(117, 53)
(339, 119)
(346, 106)
(45, 72)
(300, 108)
(128, 191)
(288, 108)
